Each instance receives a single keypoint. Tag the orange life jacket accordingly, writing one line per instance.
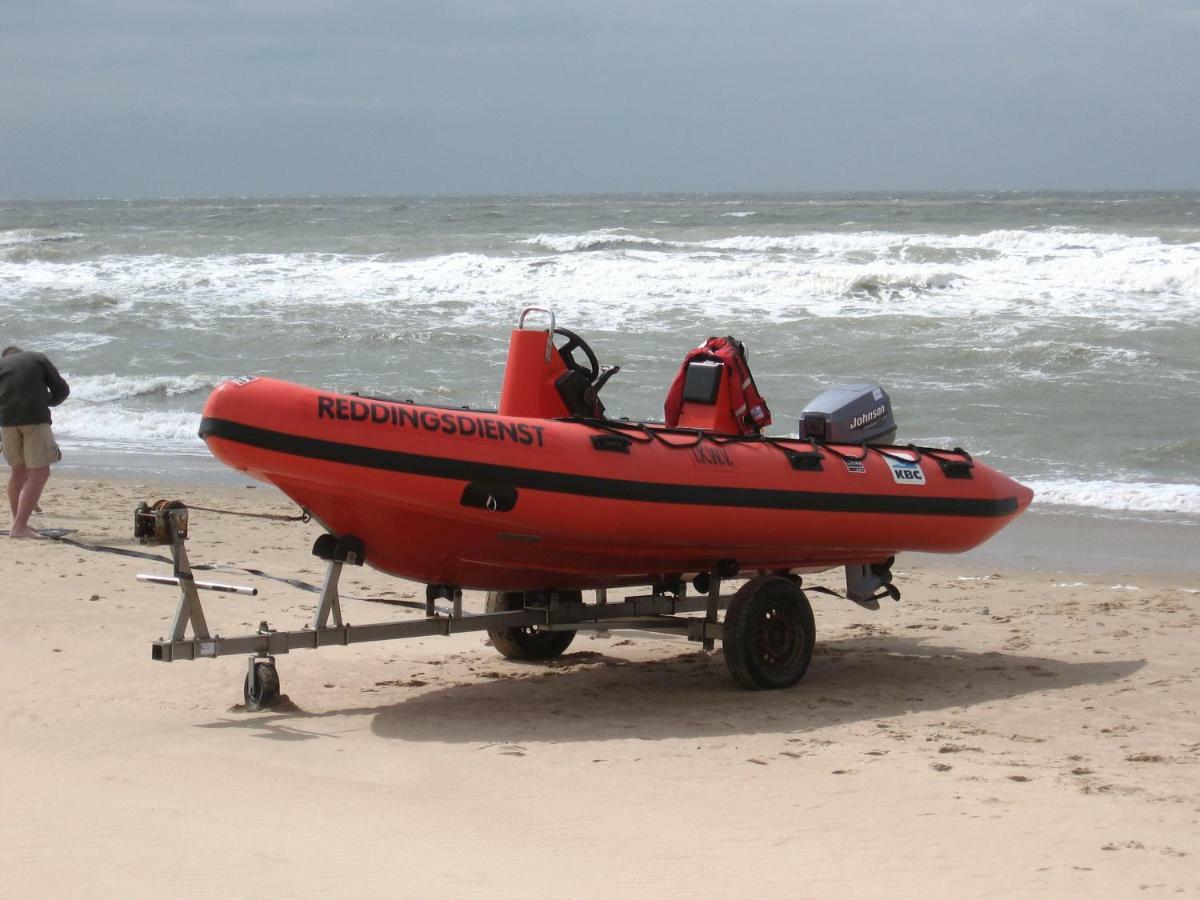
(746, 403)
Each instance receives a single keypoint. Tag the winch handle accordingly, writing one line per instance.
(549, 335)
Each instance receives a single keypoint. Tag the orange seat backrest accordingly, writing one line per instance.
(529, 375)
(715, 416)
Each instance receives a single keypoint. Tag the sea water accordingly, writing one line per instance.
(1055, 336)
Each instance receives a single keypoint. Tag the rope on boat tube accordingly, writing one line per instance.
(646, 433)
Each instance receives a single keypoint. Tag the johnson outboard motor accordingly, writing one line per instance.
(856, 414)
(850, 414)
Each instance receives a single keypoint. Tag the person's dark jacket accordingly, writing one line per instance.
(29, 386)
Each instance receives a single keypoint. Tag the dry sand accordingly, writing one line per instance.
(995, 733)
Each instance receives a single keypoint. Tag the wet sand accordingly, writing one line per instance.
(1008, 729)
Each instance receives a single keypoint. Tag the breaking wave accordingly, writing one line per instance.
(29, 237)
(23, 246)
(607, 239)
(117, 427)
(107, 388)
(1119, 496)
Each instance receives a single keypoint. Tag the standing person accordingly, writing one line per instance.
(29, 386)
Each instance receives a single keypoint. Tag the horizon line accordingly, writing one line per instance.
(758, 192)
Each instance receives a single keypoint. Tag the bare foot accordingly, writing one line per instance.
(23, 533)
(37, 508)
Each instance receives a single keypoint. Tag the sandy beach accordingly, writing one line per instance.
(1001, 731)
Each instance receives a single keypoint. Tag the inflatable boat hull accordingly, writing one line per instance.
(480, 500)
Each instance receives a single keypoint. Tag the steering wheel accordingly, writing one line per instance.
(567, 352)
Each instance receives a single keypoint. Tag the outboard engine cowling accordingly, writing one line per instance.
(850, 414)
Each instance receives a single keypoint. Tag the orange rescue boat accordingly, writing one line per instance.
(547, 497)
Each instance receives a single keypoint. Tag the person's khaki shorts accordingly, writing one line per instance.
(32, 446)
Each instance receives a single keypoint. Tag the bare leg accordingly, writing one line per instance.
(29, 497)
(16, 481)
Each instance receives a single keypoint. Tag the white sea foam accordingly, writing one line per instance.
(1118, 496)
(624, 279)
(114, 427)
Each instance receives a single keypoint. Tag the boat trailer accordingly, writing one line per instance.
(767, 632)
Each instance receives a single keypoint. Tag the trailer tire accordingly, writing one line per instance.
(261, 689)
(527, 642)
(769, 634)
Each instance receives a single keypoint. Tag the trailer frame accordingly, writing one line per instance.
(665, 609)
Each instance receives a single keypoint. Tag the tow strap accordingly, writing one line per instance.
(304, 516)
(205, 567)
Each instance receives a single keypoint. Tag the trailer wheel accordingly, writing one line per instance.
(523, 643)
(261, 689)
(769, 634)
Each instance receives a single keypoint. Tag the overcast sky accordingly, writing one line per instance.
(137, 98)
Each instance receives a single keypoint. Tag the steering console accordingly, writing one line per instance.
(580, 385)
